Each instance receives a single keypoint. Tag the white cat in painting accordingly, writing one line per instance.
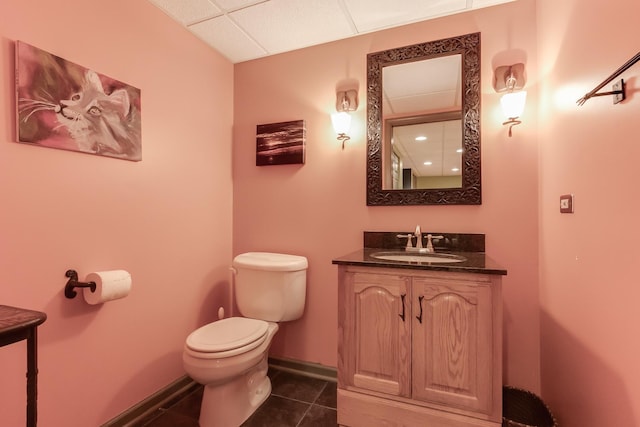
(98, 123)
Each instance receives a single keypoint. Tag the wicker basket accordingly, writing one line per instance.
(521, 408)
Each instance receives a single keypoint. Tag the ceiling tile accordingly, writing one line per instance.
(283, 25)
(263, 27)
(228, 39)
(187, 12)
(370, 15)
(229, 5)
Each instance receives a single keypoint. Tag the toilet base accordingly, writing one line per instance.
(231, 403)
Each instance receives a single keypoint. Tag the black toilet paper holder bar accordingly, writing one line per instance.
(72, 283)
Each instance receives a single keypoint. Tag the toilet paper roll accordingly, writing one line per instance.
(110, 285)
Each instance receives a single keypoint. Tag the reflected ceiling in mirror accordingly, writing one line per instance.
(432, 84)
(426, 90)
(425, 154)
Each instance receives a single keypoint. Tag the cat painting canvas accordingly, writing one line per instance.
(64, 105)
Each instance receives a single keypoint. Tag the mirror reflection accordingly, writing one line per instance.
(424, 155)
(421, 111)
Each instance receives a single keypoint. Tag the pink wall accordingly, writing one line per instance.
(588, 265)
(319, 209)
(166, 219)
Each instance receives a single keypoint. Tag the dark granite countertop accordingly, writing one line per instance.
(477, 262)
(470, 246)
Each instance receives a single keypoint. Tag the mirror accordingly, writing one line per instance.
(429, 90)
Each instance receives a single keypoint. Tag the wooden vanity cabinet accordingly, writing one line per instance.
(419, 348)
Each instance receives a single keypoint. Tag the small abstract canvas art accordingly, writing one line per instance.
(64, 105)
(280, 143)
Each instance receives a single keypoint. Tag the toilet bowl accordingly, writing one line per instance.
(234, 372)
(229, 356)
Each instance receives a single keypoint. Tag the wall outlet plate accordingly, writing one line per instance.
(566, 203)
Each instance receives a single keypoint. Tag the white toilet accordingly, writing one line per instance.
(229, 356)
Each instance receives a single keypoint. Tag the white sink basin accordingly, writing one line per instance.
(428, 258)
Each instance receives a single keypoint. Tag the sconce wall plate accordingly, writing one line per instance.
(347, 100)
(502, 75)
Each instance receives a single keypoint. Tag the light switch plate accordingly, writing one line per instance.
(566, 203)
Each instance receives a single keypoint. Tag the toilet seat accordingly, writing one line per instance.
(228, 337)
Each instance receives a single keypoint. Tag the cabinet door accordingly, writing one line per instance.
(377, 347)
(452, 344)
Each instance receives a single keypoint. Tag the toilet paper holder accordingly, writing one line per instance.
(72, 283)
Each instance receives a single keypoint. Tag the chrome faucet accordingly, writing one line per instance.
(419, 248)
(409, 246)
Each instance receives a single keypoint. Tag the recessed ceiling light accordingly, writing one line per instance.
(421, 138)
(427, 163)
(459, 150)
(455, 169)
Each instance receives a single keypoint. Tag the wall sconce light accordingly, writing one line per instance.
(345, 101)
(510, 80)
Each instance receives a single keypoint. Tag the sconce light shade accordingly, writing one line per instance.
(513, 104)
(341, 122)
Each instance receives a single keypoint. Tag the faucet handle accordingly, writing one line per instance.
(408, 237)
(431, 237)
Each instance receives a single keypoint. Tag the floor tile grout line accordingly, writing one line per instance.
(293, 399)
(304, 401)
(304, 415)
(319, 393)
(324, 386)
(323, 406)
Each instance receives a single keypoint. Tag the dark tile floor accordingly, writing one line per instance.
(295, 401)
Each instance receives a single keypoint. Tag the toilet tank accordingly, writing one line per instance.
(270, 286)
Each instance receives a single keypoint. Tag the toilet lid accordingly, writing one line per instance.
(227, 334)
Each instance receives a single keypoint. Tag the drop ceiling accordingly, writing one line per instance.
(242, 30)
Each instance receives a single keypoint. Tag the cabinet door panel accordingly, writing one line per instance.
(381, 346)
(452, 347)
